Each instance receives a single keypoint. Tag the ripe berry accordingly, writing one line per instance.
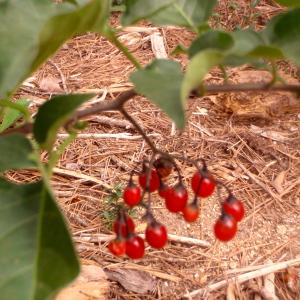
(164, 190)
(225, 228)
(117, 247)
(177, 198)
(234, 207)
(124, 227)
(156, 235)
(135, 247)
(203, 184)
(191, 212)
(154, 180)
(163, 167)
(132, 194)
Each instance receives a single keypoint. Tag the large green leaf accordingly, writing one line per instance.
(52, 115)
(15, 153)
(284, 32)
(188, 13)
(212, 39)
(37, 256)
(33, 30)
(142, 9)
(290, 3)
(10, 115)
(160, 82)
(198, 67)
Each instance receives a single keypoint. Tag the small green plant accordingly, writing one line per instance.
(111, 206)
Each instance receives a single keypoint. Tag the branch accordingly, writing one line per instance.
(251, 87)
(117, 104)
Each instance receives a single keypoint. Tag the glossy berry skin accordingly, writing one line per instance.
(203, 184)
(125, 227)
(225, 228)
(132, 194)
(234, 207)
(191, 212)
(154, 181)
(164, 190)
(156, 235)
(163, 167)
(117, 247)
(176, 198)
(135, 247)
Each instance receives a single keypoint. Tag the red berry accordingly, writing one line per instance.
(176, 198)
(156, 235)
(191, 212)
(132, 194)
(225, 228)
(203, 184)
(164, 190)
(135, 247)
(163, 167)
(234, 207)
(154, 181)
(117, 247)
(124, 227)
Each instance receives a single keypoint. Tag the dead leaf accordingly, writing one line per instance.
(90, 284)
(50, 85)
(132, 280)
(278, 182)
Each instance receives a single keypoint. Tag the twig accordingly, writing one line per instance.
(82, 176)
(110, 121)
(245, 277)
(121, 136)
(101, 238)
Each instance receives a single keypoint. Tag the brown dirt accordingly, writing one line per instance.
(249, 163)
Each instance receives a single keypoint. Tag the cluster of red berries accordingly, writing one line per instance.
(129, 243)
(176, 200)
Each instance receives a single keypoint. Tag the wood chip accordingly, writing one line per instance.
(132, 280)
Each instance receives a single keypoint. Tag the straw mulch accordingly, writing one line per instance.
(261, 169)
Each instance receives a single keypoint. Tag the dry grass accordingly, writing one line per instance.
(248, 163)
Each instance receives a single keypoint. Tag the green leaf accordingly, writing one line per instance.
(10, 115)
(245, 41)
(267, 52)
(160, 82)
(289, 3)
(37, 256)
(53, 114)
(212, 39)
(188, 13)
(141, 9)
(33, 30)
(15, 152)
(198, 67)
(284, 32)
